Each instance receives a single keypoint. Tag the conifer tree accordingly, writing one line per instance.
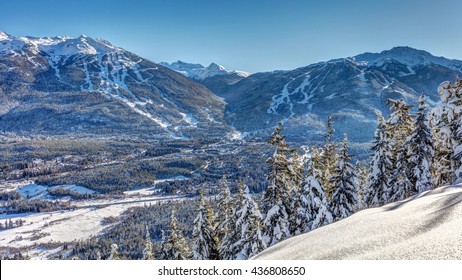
(400, 125)
(345, 197)
(301, 198)
(114, 252)
(147, 251)
(362, 177)
(225, 210)
(227, 249)
(176, 247)
(276, 199)
(421, 151)
(458, 151)
(204, 243)
(316, 162)
(249, 224)
(377, 189)
(445, 123)
(399, 182)
(328, 159)
(163, 250)
(317, 204)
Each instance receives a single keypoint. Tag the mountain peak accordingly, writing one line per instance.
(199, 72)
(406, 51)
(406, 55)
(3, 36)
(58, 46)
(215, 67)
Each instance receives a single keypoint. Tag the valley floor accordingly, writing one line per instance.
(42, 234)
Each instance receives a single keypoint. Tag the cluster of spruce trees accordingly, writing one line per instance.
(416, 153)
(411, 154)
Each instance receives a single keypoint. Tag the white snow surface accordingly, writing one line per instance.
(426, 226)
(34, 191)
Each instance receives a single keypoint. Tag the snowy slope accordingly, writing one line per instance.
(105, 85)
(428, 226)
(349, 89)
(200, 72)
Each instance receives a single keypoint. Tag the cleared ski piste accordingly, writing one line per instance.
(426, 226)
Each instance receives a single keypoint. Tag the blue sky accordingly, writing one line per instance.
(244, 34)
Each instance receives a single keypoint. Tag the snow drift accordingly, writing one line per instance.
(426, 226)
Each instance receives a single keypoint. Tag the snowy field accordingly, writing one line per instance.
(86, 220)
(427, 226)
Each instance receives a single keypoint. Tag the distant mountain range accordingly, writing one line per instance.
(83, 85)
(350, 89)
(200, 72)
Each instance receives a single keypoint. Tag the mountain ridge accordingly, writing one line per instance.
(199, 72)
(350, 89)
(154, 99)
(167, 103)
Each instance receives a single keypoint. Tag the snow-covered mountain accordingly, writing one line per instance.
(88, 84)
(350, 89)
(426, 226)
(200, 72)
(62, 84)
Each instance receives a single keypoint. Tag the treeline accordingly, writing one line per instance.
(60, 192)
(35, 205)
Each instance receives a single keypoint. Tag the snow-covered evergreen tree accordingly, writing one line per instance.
(362, 175)
(175, 246)
(445, 123)
(345, 197)
(317, 204)
(458, 151)
(312, 206)
(316, 162)
(114, 252)
(249, 224)
(400, 124)
(378, 189)
(301, 197)
(205, 245)
(163, 250)
(399, 182)
(147, 251)
(420, 151)
(225, 210)
(328, 159)
(227, 248)
(282, 178)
